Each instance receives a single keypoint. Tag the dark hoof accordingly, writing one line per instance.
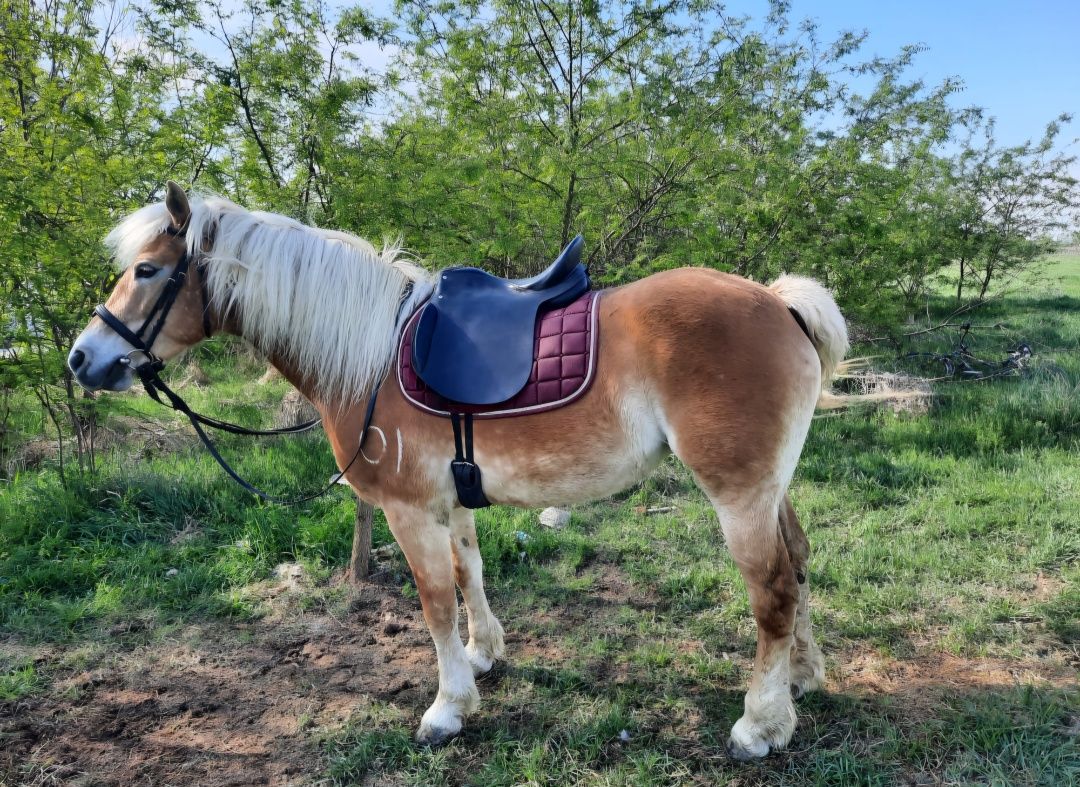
(434, 738)
(495, 671)
(740, 754)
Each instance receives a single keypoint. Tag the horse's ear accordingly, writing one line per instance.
(176, 202)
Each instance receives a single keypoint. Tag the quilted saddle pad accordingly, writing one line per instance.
(564, 364)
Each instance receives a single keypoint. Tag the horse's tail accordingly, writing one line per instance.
(825, 326)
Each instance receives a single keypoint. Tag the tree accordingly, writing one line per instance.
(268, 99)
(77, 133)
(1014, 200)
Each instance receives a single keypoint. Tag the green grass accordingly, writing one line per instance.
(19, 680)
(955, 531)
(101, 550)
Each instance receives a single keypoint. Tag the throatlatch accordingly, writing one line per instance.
(467, 478)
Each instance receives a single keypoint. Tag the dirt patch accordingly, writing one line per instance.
(221, 703)
(226, 703)
(924, 678)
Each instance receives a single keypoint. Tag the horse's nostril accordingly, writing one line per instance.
(76, 359)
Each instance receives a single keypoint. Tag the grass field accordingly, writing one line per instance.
(158, 626)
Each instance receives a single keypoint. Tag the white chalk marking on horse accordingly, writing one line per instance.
(398, 450)
(367, 458)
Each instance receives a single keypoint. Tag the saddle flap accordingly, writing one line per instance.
(564, 351)
(425, 333)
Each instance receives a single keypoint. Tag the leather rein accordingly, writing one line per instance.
(149, 373)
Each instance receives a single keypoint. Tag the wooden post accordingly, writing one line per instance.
(361, 542)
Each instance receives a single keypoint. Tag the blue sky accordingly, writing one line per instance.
(1019, 60)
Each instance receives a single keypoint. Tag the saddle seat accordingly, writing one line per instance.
(474, 339)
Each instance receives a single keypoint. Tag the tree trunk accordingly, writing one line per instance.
(361, 542)
(568, 210)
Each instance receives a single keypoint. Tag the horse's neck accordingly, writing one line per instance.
(301, 382)
(281, 358)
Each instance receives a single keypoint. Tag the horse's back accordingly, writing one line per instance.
(705, 321)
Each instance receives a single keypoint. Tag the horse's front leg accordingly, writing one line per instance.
(425, 541)
(485, 633)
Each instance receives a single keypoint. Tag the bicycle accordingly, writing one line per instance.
(960, 364)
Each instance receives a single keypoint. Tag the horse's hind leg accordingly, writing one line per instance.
(485, 634)
(425, 541)
(753, 536)
(807, 663)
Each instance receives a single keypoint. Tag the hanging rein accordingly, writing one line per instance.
(149, 373)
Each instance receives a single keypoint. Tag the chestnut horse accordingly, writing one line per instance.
(710, 367)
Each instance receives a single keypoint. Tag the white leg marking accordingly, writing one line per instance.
(457, 693)
(768, 719)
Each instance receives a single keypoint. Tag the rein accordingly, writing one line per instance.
(149, 373)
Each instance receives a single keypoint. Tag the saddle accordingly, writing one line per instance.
(563, 366)
(489, 347)
(474, 340)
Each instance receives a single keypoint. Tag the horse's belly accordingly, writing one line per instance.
(581, 466)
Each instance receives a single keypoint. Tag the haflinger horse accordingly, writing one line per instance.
(722, 372)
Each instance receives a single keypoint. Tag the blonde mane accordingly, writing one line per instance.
(325, 301)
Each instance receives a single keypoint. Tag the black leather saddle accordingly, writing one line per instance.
(474, 338)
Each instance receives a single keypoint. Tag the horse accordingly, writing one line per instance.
(722, 372)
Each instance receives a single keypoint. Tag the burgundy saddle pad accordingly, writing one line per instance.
(564, 364)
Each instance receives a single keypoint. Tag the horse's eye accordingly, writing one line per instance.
(144, 270)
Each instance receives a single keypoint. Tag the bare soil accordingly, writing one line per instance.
(220, 703)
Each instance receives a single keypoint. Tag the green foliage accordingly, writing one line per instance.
(100, 549)
(78, 143)
(1010, 202)
(18, 681)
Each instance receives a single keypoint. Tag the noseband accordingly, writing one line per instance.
(149, 372)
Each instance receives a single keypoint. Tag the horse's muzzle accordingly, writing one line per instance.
(112, 375)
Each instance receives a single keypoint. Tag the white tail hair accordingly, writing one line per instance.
(825, 325)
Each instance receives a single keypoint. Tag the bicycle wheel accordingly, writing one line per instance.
(931, 365)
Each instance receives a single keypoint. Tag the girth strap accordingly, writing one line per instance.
(467, 477)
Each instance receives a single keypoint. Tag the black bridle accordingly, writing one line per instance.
(143, 339)
(149, 372)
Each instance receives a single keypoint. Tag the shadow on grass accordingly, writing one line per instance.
(608, 735)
